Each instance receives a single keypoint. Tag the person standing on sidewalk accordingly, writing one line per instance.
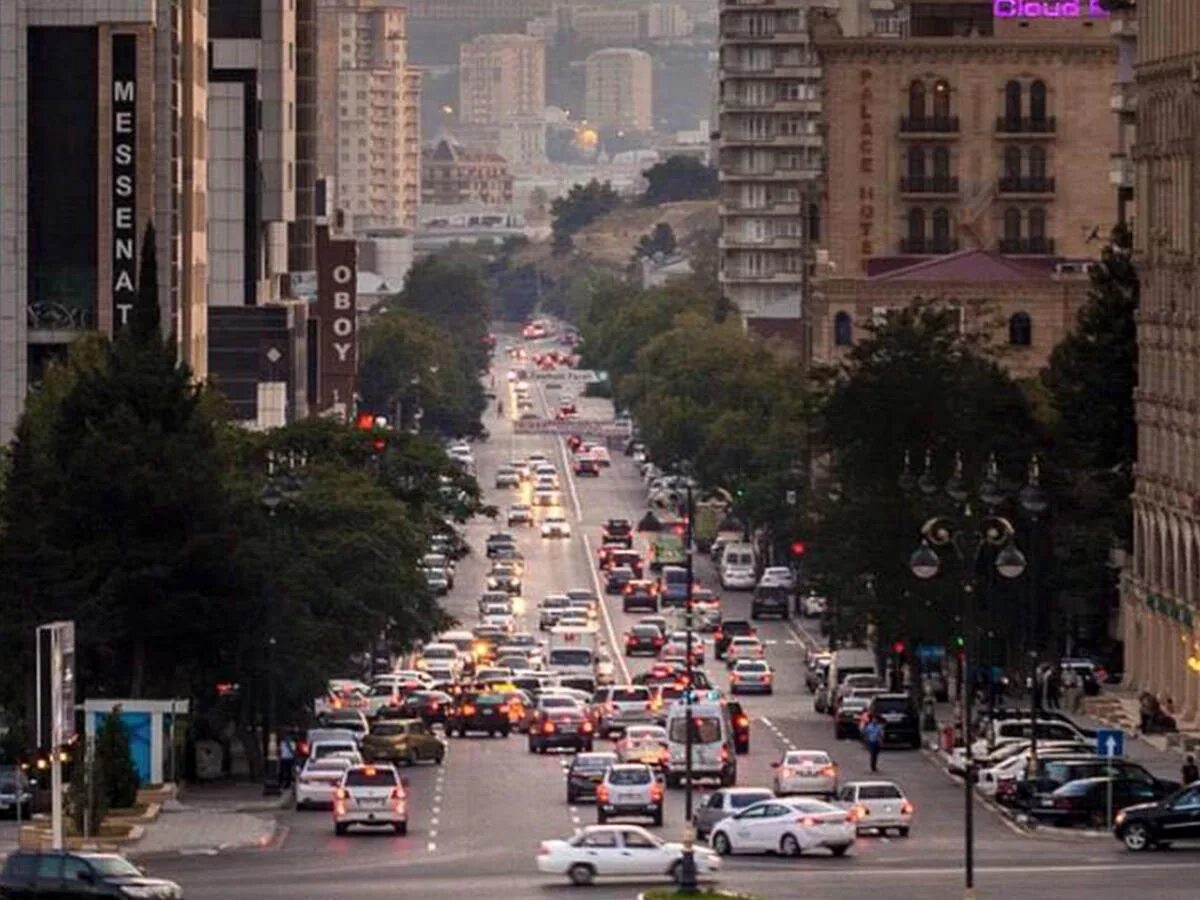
(1190, 772)
(873, 735)
(287, 761)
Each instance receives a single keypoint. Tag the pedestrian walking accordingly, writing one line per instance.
(1053, 688)
(873, 735)
(1190, 771)
(287, 761)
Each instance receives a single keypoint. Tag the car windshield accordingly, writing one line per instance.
(570, 657)
(630, 776)
(705, 729)
(879, 792)
(751, 667)
(795, 758)
(558, 702)
(891, 704)
(114, 866)
(371, 777)
(594, 762)
(742, 799)
(326, 749)
(387, 729)
(646, 630)
(630, 695)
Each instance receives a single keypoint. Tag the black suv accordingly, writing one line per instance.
(1157, 824)
(1053, 772)
(740, 721)
(479, 712)
(730, 629)
(618, 531)
(29, 874)
(639, 595)
(497, 540)
(770, 600)
(562, 728)
(897, 713)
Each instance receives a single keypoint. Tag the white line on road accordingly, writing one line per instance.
(431, 846)
(574, 810)
(614, 647)
(437, 809)
(762, 719)
(433, 821)
(575, 820)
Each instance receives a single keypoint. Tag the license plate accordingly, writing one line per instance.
(568, 729)
(372, 801)
(628, 798)
(1047, 802)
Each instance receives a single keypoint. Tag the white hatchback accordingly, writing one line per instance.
(786, 826)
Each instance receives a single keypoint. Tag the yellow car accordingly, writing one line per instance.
(406, 741)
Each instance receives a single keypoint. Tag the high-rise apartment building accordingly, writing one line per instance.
(619, 89)
(770, 145)
(302, 250)
(500, 76)
(1160, 603)
(102, 132)
(368, 121)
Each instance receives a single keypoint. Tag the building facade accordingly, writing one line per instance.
(501, 76)
(302, 249)
(102, 112)
(453, 175)
(619, 89)
(1160, 604)
(770, 147)
(367, 112)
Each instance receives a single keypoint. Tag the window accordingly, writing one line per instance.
(941, 227)
(1012, 102)
(941, 163)
(941, 100)
(1012, 224)
(814, 222)
(916, 162)
(49, 867)
(755, 812)
(1037, 224)
(1012, 162)
(1020, 330)
(1037, 101)
(916, 100)
(843, 330)
(599, 839)
(74, 868)
(638, 840)
(916, 224)
(1037, 162)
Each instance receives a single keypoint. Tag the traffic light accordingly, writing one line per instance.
(365, 421)
(898, 648)
(798, 549)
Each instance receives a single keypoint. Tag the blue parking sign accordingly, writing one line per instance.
(1110, 742)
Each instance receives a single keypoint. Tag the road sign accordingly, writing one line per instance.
(1110, 742)
(574, 376)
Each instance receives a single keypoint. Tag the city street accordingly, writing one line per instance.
(475, 821)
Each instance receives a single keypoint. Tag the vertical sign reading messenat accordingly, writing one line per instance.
(866, 166)
(124, 171)
(337, 309)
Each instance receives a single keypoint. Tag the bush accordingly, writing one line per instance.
(116, 777)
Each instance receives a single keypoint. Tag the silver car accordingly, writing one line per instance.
(877, 806)
(805, 772)
(723, 803)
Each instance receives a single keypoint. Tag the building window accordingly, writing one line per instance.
(941, 163)
(1020, 330)
(1012, 224)
(1012, 102)
(1037, 101)
(1037, 162)
(843, 330)
(916, 162)
(941, 229)
(941, 101)
(1037, 224)
(916, 225)
(814, 222)
(1012, 162)
(916, 101)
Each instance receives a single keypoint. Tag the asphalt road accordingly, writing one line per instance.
(475, 822)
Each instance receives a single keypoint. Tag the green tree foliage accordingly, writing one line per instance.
(449, 290)
(679, 178)
(406, 362)
(658, 242)
(914, 384)
(115, 775)
(583, 205)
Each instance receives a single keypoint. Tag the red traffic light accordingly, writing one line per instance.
(678, 529)
(378, 444)
(798, 548)
(364, 421)
(898, 647)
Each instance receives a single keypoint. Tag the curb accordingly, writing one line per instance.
(272, 840)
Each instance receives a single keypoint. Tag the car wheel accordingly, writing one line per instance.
(789, 846)
(839, 850)
(1137, 837)
(532, 747)
(401, 828)
(581, 874)
(903, 832)
(410, 758)
(677, 872)
(601, 817)
(658, 818)
(505, 733)
(571, 797)
(339, 828)
(541, 748)
(720, 843)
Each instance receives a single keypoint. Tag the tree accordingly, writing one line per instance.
(583, 205)
(449, 291)
(115, 775)
(659, 242)
(679, 178)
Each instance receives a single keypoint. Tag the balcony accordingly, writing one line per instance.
(929, 184)
(736, 139)
(775, 242)
(1123, 24)
(1120, 170)
(1123, 99)
(1023, 126)
(1037, 185)
(1026, 246)
(734, 206)
(928, 125)
(922, 246)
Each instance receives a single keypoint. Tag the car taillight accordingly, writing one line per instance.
(548, 727)
(396, 795)
(785, 772)
(1064, 802)
(767, 677)
(806, 821)
(658, 642)
(337, 702)
(656, 792)
(504, 708)
(602, 793)
(468, 710)
(586, 727)
(742, 722)
(733, 676)
(859, 812)
(435, 706)
(302, 748)
(724, 754)
(543, 850)
(342, 794)
(829, 771)
(906, 808)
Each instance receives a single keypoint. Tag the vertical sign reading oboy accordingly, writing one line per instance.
(124, 183)
(337, 308)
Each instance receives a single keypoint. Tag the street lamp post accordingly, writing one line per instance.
(1034, 502)
(687, 862)
(966, 537)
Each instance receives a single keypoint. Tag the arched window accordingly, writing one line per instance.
(916, 101)
(941, 100)
(916, 162)
(1012, 102)
(1037, 101)
(1037, 162)
(1037, 224)
(814, 222)
(1020, 330)
(1012, 162)
(843, 330)
(941, 162)
(941, 230)
(916, 224)
(1012, 224)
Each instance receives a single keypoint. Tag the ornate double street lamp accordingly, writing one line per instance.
(974, 542)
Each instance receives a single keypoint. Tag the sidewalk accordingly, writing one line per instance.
(210, 818)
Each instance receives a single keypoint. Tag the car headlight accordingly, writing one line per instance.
(1120, 817)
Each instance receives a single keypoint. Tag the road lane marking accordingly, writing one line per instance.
(618, 657)
(431, 846)
(437, 809)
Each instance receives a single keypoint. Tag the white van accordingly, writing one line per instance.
(712, 744)
(739, 568)
(851, 661)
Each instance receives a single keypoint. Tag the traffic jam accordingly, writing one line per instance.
(604, 674)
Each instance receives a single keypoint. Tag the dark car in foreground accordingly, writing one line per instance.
(56, 874)
(1085, 800)
(1148, 825)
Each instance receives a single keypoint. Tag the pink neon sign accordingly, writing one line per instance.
(1048, 9)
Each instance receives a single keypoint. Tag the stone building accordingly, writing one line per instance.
(454, 175)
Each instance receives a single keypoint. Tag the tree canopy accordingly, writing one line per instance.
(582, 205)
(679, 178)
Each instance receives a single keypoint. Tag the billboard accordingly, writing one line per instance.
(55, 683)
(337, 326)
(124, 177)
(1048, 9)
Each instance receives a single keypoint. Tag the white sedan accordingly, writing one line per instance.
(785, 826)
(777, 576)
(555, 527)
(620, 850)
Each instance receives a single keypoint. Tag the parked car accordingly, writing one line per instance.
(1084, 801)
